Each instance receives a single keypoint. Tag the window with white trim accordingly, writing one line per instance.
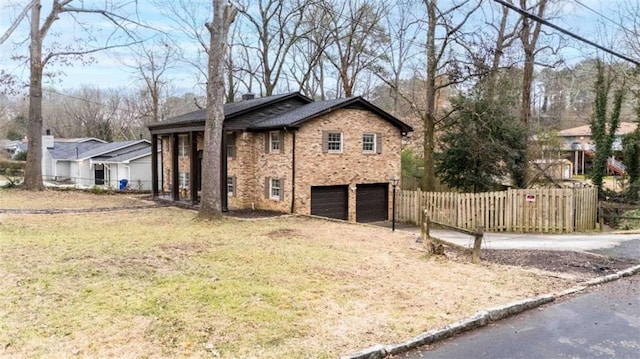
(369, 143)
(231, 186)
(275, 189)
(183, 145)
(275, 142)
(183, 179)
(334, 142)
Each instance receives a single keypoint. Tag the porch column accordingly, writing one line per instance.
(193, 176)
(175, 176)
(224, 199)
(154, 166)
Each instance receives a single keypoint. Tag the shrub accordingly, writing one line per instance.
(20, 156)
(11, 168)
(630, 223)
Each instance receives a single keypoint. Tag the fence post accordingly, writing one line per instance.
(477, 244)
(424, 228)
(600, 216)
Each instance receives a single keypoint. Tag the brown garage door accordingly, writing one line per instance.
(329, 201)
(372, 202)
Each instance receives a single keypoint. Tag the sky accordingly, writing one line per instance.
(110, 67)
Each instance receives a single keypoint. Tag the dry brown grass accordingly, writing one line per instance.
(67, 199)
(156, 283)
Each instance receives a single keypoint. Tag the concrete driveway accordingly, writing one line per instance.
(556, 242)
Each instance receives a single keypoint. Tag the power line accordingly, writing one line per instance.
(603, 16)
(566, 32)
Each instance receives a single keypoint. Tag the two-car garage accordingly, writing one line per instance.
(372, 202)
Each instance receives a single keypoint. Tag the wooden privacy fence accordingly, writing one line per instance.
(522, 210)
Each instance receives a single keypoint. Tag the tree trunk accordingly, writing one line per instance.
(33, 168)
(529, 38)
(429, 118)
(211, 200)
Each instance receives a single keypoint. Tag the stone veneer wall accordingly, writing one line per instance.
(352, 166)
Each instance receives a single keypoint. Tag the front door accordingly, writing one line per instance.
(99, 174)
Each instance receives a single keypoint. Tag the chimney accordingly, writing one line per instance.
(248, 96)
(47, 140)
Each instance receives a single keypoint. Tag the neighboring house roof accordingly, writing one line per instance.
(71, 151)
(124, 157)
(279, 111)
(110, 147)
(16, 146)
(623, 129)
(79, 140)
(66, 150)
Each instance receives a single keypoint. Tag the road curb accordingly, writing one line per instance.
(481, 319)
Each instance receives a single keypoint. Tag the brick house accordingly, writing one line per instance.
(290, 154)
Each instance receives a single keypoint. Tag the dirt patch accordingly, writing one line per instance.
(253, 214)
(558, 261)
(184, 249)
(283, 233)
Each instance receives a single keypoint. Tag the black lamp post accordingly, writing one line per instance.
(394, 184)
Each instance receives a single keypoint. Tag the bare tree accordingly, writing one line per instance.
(358, 40)
(505, 36)
(437, 63)
(223, 17)
(151, 65)
(529, 34)
(277, 25)
(309, 54)
(187, 17)
(37, 61)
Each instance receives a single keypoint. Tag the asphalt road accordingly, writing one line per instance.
(604, 323)
(601, 323)
(628, 250)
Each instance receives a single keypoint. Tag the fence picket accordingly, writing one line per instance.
(531, 210)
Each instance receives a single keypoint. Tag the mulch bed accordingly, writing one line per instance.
(559, 261)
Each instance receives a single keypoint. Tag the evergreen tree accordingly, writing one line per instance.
(631, 149)
(480, 150)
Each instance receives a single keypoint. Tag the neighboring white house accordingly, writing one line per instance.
(15, 147)
(89, 162)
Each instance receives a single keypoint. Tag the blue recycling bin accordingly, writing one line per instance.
(123, 184)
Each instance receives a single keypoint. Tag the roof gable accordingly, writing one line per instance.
(299, 116)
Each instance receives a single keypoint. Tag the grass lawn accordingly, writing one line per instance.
(156, 283)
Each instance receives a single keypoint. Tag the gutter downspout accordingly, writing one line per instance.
(293, 173)
(224, 194)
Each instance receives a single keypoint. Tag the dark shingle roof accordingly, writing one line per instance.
(230, 109)
(310, 111)
(288, 110)
(108, 147)
(70, 151)
(64, 150)
(126, 156)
